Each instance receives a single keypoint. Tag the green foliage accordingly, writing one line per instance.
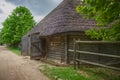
(98, 34)
(106, 13)
(17, 25)
(1, 43)
(109, 34)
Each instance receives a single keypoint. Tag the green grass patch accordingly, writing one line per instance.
(99, 73)
(68, 73)
(15, 50)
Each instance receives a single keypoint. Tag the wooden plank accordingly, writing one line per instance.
(37, 47)
(66, 49)
(84, 61)
(30, 48)
(35, 42)
(98, 42)
(54, 57)
(70, 50)
(74, 56)
(29, 45)
(98, 54)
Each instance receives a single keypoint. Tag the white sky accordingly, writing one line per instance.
(39, 8)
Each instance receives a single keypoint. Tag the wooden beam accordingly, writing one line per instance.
(96, 64)
(66, 49)
(74, 55)
(70, 50)
(30, 46)
(98, 42)
(98, 54)
(36, 42)
(36, 47)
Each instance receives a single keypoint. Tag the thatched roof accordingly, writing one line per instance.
(63, 18)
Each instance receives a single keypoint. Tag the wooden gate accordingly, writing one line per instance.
(25, 46)
(37, 50)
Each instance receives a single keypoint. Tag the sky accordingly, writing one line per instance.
(38, 8)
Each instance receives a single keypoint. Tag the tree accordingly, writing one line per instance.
(0, 39)
(17, 25)
(106, 13)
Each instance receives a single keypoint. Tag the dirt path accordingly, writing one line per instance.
(13, 67)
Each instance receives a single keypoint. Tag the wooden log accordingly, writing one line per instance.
(66, 49)
(98, 42)
(98, 54)
(74, 56)
(96, 64)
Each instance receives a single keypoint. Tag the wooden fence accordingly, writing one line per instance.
(79, 52)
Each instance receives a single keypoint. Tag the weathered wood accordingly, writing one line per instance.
(78, 57)
(70, 50)
(96, 53)
(46, 49)
(37, 47)
(66, 49)
(74, 54)
(29, 45)
(97, 42)
(30, 48)
(99, 54)
(35, 42)
(36, 50)
(84, 61)
(56, 48)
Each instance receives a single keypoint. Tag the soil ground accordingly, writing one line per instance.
(14, 67)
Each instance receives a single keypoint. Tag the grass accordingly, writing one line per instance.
(63, 73)
(99, 73)
(84, 73)
(15, 50)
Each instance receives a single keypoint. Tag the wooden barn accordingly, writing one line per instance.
(52, 36)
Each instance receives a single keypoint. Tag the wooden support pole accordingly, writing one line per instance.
(30, 47)
(98, 54)
(78, 57)
(66, 50)
(74, 56)
(98, 42)
(97, 64)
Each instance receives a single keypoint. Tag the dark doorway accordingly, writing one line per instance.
(43, 47)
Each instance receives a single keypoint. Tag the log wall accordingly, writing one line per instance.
(56, 48)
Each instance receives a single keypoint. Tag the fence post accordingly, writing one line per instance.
(74, 56)
(78, 57)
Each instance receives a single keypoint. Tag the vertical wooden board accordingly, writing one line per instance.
(25, 46)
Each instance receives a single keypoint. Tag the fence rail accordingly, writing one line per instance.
(92, 53)
(98, 42)
(75, 51)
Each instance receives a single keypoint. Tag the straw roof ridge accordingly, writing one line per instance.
(63, 18)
